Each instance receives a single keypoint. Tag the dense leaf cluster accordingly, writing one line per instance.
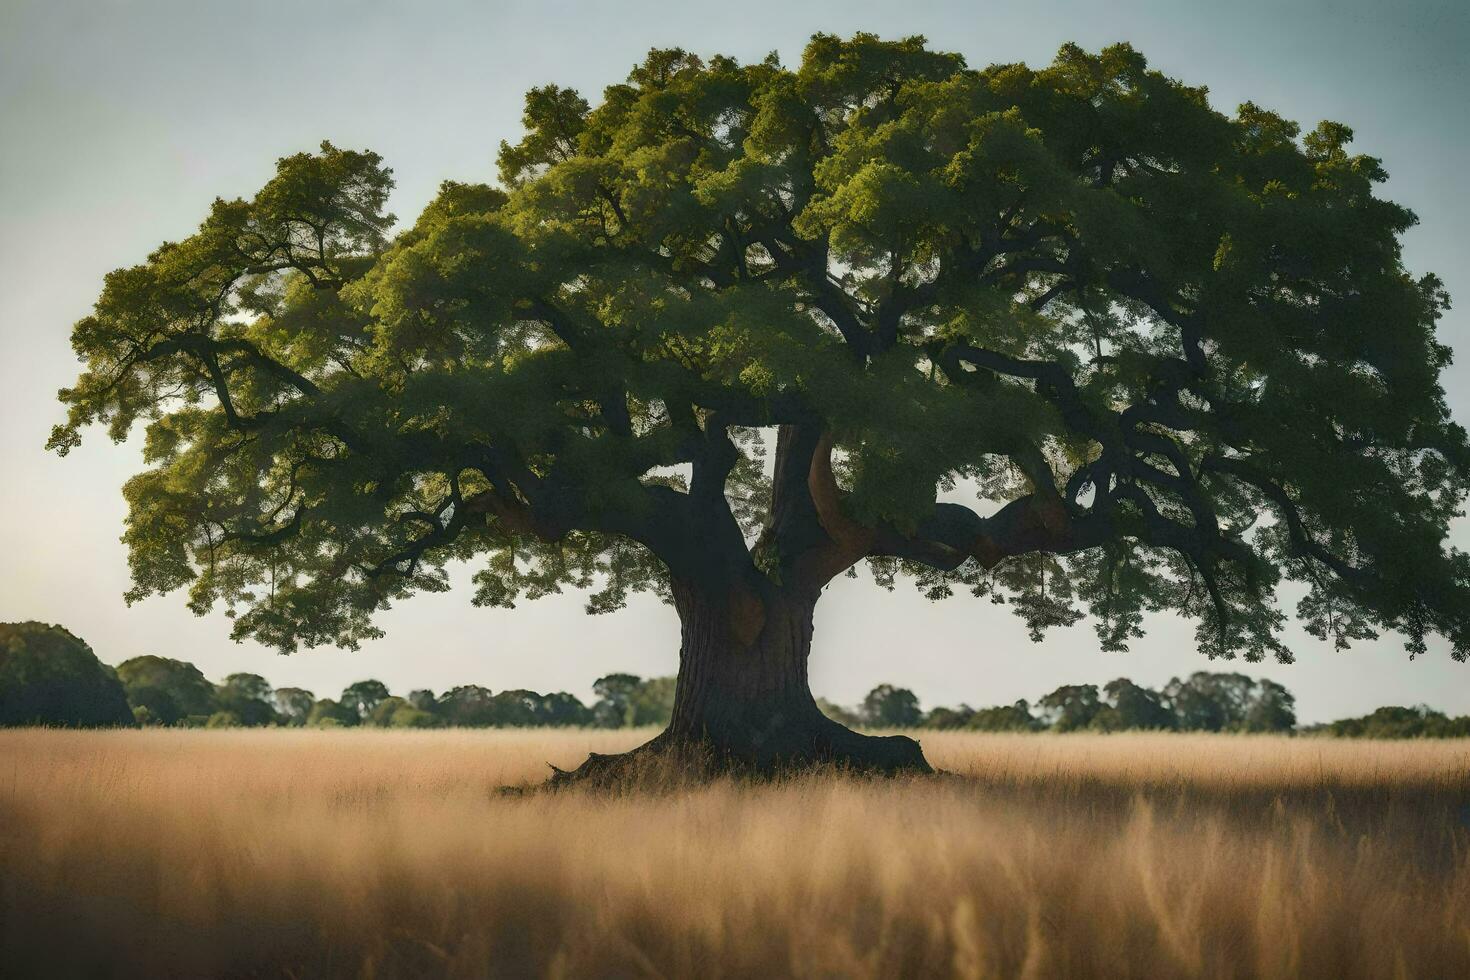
(1069, 338)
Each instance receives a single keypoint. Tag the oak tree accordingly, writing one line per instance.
(1070, 338)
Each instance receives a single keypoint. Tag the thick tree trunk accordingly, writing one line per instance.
(742, 702)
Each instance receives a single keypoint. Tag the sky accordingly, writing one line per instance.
(121, 121)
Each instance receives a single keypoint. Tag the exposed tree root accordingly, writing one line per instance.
(666, 762)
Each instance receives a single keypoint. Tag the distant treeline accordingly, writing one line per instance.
(50, 677)
(1202, 702)
(171, 692)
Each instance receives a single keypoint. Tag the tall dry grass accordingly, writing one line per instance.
(275, 853)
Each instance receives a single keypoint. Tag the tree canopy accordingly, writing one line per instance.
(249, 698)
(1067, 337)
(50, 677)
(887, 706)
(168, 690)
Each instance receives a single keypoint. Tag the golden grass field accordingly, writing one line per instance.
(384, 854)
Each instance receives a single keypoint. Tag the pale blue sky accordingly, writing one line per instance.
(120, 121)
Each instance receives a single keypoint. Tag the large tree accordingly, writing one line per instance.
(1067, 337)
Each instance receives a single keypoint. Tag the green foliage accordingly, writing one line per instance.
(49, 677)
(1218, 702)
(363, 697)
(381, 715)
(171, 690)
(1174, 353)
(467, 706)
(1398, 722)
(407, 716)
(1005, 718)
(1272, 709)
(627, 700)
(514, 709)
(1070, 708)
(393, 712)
(947, 718)
(653, 704)
(328, 713)
(248, 697)
(887, 706)
(563, 710)
(293, 705)
(1127, 706)
(472, 706)
(616, 694)
(1002, 718)
(839, 714)
(1230, 702)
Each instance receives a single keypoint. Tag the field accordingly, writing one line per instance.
(384, 854)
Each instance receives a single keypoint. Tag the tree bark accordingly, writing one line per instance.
(742, 702)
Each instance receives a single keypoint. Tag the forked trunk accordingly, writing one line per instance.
(742, 700)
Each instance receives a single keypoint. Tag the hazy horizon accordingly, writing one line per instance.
(124, 120)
